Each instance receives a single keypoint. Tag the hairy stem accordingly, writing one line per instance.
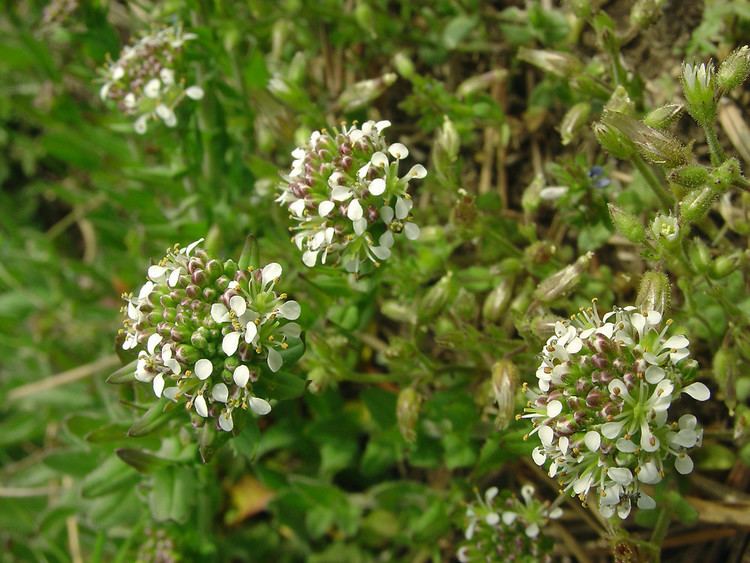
(717, 153)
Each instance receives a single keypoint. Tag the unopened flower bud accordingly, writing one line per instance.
(480, 82)
(724, 265)
(560, 283)
(362, 93)
(445, 150)
(700, 256)
(654, 145)
(403, 65)
(725, 175)
(655, 293)
(690, 176)
(627, 224)
(620, 102)
(664, 116)
(575, 118)
(437, 297)
(558, 63)
(465, 306)
(497, 301)
(504, 385)
(407, 413)
(464, 212)
(398, 312)
(698, 86)
(614, 142)
(645, 13)
(697, 204)
(734, 70)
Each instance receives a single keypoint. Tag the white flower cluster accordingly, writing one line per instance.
(207, 329)
(346, 197)
(144, 80)
(601, 410)
(502, 528)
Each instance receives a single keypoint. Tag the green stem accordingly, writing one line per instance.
(660, 532)
(653, 182)
(717, 153)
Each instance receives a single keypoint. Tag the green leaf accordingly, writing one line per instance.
(141, 460)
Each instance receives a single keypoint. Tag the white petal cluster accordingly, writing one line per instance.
(500, 528)
(346, 197)
(144, 82)
(601, 410)
(207, 330)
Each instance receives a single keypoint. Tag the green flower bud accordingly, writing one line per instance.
(697, 204)
(398, 312)
(655, 293)
(662, 117)
(560, 283)
(698, 86)
(725, 175)
(581, 8)
(497, 301)
(690, 176)
(734, 70)
(558, 63)
(627, 224)
(404, 66)
(531, 198)
(465, 306)
(362, 93)
(654, 145)
(572, 122)
(700, 256)
(620, 102)
(590, 87)
(724, 265)
(480, 82)
(445, 149)
(504, 386)
(437, 297)
(614, 142)
(645, 13)
(407, 413)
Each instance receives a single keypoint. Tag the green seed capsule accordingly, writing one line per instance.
(627, 224)
(664, 116)
(497, 301)
(690, 176)
(700, 256)
(437, 297)
(504, 386)
(697, 204)
(408, 406)
(734, 70)
(655, 293)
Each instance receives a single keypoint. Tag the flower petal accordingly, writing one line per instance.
(259, 406)
(697, 391)
(204, 368)
(220, 393)
(200, 406)
(241, 375)
(230, 343)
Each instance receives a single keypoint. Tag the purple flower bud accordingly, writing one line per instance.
(594, 398)
(192, 291)
(600, 361)
(199, 277)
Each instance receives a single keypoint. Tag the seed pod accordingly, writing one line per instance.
(437, 297)
(620, 102)
(408, 405)
(655, 293)
(480, 82)
(504, 385)
(734, 70)
(560, 283)
(700, 256)
(697, 204)
(398, 312)
(664, 116)
(627, 224)
(497, 301)
(690, 176)
(575, 118)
